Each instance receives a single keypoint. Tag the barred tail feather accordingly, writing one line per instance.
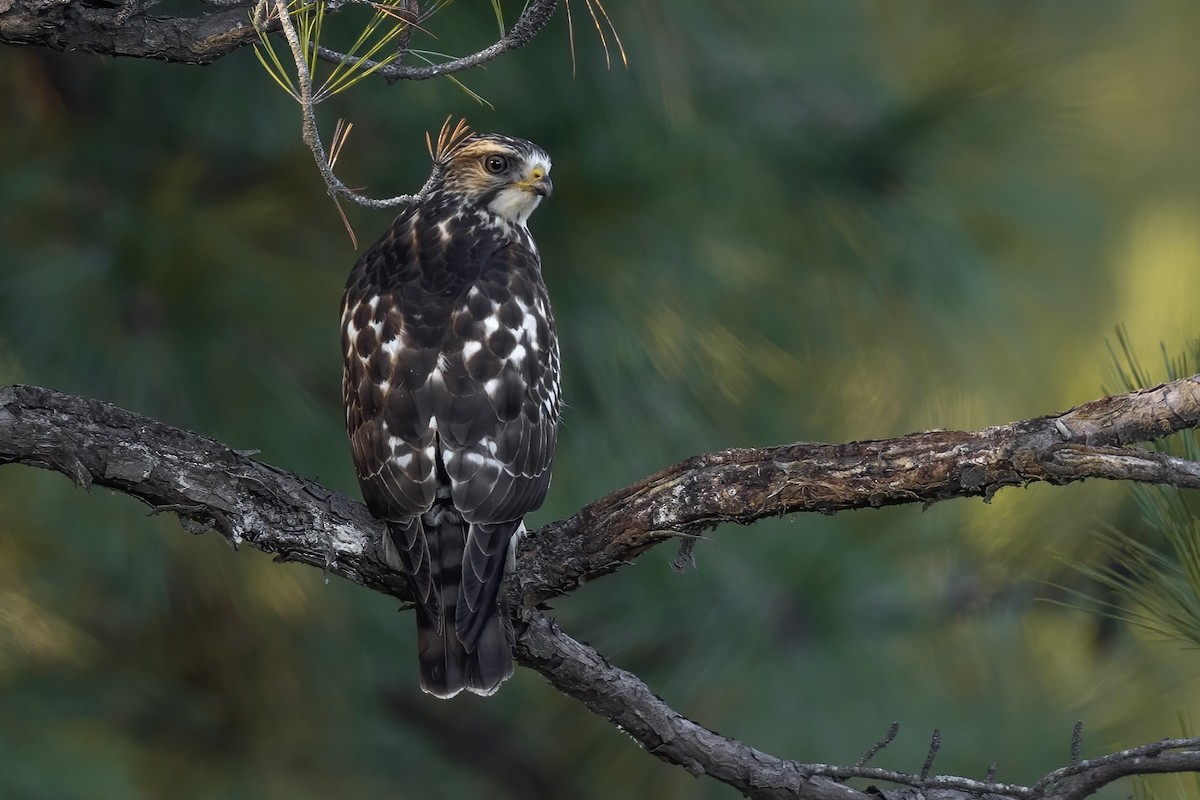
(491, 662)
(447, 667)
(441, 656)
(450, 661)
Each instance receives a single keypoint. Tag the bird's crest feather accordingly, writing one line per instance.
(448, 139)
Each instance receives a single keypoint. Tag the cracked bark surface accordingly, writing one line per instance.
(109, 29)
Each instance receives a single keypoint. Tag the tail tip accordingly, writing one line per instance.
(471, 679)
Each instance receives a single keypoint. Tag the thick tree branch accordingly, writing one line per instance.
(109, 29)
(204, 482)
(745, 485)
(106, 27)
(209, 485)
(620, 697)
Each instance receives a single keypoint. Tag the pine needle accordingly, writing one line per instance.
(592, 5)
(571, 36)
(275, 68)
(499, 12)
(424, 55)
(346, 222)
(596, 22)
(341, 132)
(1156, 581)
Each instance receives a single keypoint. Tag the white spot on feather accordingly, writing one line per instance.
(470, 349)
(529, 326)
(403, 460)
(393, 348)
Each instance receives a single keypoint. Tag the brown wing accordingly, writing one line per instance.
(395, 316)
(392, 439)
(496, 404)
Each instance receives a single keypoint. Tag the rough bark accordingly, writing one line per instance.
(746, 485)
(111, 29)
(209, 485)
(128, 29)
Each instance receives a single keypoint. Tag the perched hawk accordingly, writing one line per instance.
(452, 396)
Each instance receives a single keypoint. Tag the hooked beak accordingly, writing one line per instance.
(539, 183)
(542, 186)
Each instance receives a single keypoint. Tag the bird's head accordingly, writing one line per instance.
(507, 176)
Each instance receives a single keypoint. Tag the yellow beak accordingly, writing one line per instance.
(539, 183)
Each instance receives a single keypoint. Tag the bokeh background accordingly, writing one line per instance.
(783, 221)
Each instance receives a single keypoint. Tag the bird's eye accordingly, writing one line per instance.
(495, 164)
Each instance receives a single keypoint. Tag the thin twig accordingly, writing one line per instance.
(935, 744)
(312, 136)
(874, 749)
(527, 26)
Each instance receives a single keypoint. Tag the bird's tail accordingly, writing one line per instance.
(460, 649)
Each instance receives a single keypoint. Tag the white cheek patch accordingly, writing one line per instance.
(514, 205)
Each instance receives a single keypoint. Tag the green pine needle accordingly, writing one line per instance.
(309, 20)
(1156, 580)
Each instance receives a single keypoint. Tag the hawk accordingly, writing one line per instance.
(451, 385)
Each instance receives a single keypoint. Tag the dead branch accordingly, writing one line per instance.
(209, 485)
(127, 29)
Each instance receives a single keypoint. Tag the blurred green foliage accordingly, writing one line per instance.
(786, 220)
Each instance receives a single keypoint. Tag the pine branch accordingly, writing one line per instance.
(109, 29)
(125, 29)
(745, 485)
(535, 16)
(312, 136)
(209, 485)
